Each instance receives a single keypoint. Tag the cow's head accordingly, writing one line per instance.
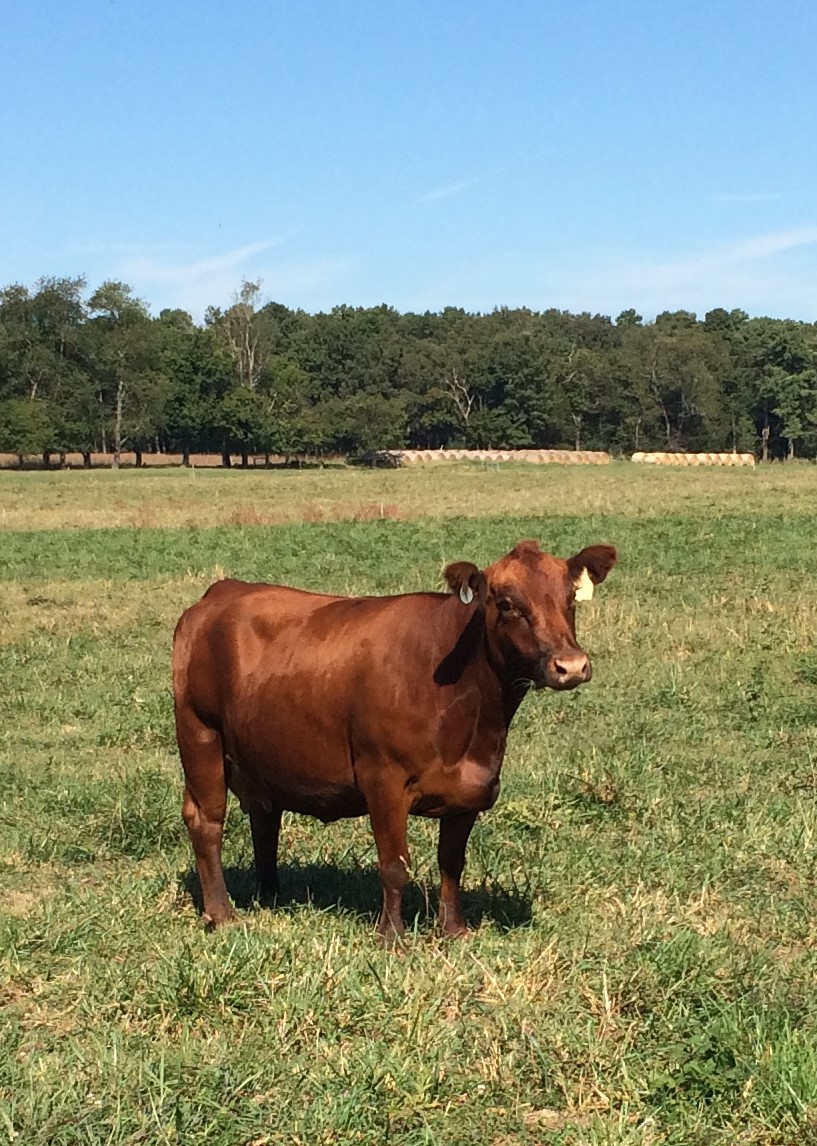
(529, 599)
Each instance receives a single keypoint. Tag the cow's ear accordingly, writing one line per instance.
(590, 567)
(467, 582)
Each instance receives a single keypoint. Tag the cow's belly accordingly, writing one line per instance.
(302, 762)
(299, 768)
(469, 786)
(311, 795)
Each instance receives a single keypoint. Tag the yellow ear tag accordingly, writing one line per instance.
(584, 587)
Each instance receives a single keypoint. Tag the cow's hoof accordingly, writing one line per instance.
(460, 932)
(213, 921)
(452, 925)
(393, 941)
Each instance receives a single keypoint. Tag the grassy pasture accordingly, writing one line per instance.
(642, 968)
(154, 498)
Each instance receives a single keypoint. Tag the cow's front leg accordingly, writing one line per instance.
(266, 827)
(454, 833)
(388, 806)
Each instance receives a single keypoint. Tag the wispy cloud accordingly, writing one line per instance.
(449, 190)
(770, 244)
(746, 197)
(147, 265)
(73, 250)
(165, 277)
(756, 273)
(175, 277)
(705, 268)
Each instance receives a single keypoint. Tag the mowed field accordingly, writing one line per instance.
(643, 963)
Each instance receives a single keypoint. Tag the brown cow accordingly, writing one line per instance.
(343, 706)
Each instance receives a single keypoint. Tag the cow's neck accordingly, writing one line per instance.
(513, 693)
(461, 646)
(513, 687)
(473, 643)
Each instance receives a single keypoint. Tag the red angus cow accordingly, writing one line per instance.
(386, 706)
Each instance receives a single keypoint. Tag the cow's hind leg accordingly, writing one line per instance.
(266, 826)
(203, 810)
(454, 833)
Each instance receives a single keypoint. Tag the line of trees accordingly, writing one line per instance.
(92, 372)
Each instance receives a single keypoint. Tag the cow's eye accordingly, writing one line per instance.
(505, 605)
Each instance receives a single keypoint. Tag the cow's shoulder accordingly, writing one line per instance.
(230, 588)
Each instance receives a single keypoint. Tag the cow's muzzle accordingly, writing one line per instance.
(567, 669)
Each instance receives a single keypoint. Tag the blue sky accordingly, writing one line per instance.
(573, 154)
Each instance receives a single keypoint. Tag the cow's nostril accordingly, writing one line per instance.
(571, 669)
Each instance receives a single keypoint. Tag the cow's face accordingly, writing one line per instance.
(530, 605)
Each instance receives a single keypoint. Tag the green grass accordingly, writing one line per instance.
(643, 962)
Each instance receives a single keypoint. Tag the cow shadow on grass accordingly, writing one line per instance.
(357, 893)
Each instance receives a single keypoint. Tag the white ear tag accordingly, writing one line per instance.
(466, 594)
(584, 587)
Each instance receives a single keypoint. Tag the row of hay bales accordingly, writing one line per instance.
(568, 457)
(659, 459)
(537, 457)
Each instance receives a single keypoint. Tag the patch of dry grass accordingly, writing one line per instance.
(168, 498)
(96, 606)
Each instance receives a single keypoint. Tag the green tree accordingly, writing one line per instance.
(580, 390)
(780, 361)
(244, 418)
(41, 348)
(198, 376)
(127, 366)
(290, 395)
(796, 405)
(629, 318)
(241, 333)
(26, 427)
(370, 423)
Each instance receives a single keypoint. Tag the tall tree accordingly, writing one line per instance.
(42, 337)
(240, 331)
(198, 374)
(126, 365)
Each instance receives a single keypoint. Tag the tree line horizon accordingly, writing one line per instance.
(96, 372)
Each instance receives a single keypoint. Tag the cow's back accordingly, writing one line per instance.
(220, 638)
